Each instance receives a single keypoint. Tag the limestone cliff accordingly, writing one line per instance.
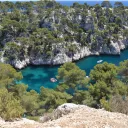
(54, 34)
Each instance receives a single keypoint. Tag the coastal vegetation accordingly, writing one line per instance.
(106, 87)
(45, 32)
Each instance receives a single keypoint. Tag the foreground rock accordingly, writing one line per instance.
(81, 116)
(21, 123)
(75, 116)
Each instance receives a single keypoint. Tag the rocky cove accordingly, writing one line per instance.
(38, 38)
(37, 76)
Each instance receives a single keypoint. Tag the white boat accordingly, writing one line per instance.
(53, 80)
(99, 61)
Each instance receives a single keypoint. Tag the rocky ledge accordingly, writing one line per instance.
(71, 115)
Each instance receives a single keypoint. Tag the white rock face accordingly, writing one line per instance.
(20, 64)
(121, 44)
(61, 58)
(1, 59)
(82, 53)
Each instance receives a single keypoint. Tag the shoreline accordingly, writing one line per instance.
(74, 61)
(114, 49)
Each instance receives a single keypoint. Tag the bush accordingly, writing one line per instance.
(119, 104)
(10, 107)
(36, 118)
(116, 103)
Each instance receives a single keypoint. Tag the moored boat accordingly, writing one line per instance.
(99, 61)
(53, 80)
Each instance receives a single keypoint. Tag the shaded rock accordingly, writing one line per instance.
(115, 49)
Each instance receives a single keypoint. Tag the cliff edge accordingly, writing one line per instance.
(75, 116)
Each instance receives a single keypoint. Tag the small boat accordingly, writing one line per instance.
(99, 61)
(53, 80)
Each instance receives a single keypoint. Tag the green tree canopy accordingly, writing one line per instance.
(104, 72)
(30, 102)
(100, 89)
(50, 98)
(123, 71)
(71, 76)
(10, 107)
(8, 75)
(106, 4)
(118, 4)
(105, 82)
(117, 103)
(83, 97)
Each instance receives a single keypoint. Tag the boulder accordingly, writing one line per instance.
(64, 109)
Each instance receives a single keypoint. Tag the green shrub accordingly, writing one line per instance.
(36, 118)
(10, 108)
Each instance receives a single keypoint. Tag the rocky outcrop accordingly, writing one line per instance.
(70, 115)
(81, 116)
(66, 109)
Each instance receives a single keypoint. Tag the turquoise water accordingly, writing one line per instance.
(37, 76)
